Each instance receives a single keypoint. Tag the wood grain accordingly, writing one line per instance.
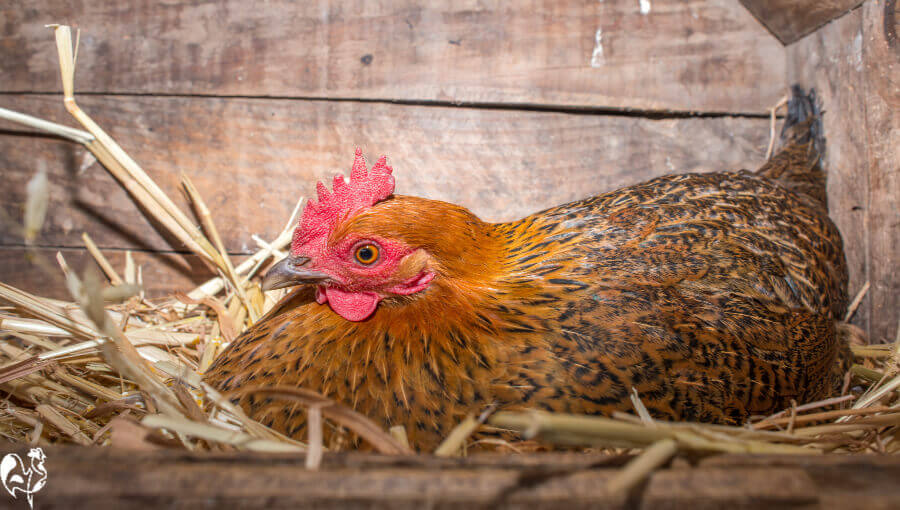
(109, 478)
(881, 59)
(854, 63)
(790, 20)
(684, 55)
(251, 159)
(830, 60)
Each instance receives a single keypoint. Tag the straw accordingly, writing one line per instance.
(104, 264)
(123, 168)
(76, 135)
(210, 227)
(641, 467)
(217, 434)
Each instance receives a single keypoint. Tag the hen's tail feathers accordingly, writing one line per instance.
(798, 164)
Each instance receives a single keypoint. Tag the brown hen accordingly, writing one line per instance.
(716, 296)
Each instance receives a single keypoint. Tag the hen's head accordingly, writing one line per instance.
(359, 244)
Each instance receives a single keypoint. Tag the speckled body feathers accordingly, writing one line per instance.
(715, 296)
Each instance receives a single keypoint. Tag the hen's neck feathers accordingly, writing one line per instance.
(482, 269)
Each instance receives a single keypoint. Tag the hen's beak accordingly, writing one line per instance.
(289, 272)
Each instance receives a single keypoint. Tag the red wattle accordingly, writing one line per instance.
(353, 306)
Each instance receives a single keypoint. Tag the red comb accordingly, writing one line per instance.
(365, 189)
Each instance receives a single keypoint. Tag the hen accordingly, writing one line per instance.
(716, 296)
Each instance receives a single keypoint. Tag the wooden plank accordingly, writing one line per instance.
(38, 273)
(839, 479)
(830, 60)
(684, 55)
(881, 60)
(252, 159)
(790, 20)
(110, 478)
(854, 63)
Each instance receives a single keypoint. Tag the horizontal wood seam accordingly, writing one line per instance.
(529, 107)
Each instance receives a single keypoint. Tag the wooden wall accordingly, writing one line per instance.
(790, 20)
(854, 63)
(504, 107)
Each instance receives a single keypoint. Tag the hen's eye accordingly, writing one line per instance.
(367, 254)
